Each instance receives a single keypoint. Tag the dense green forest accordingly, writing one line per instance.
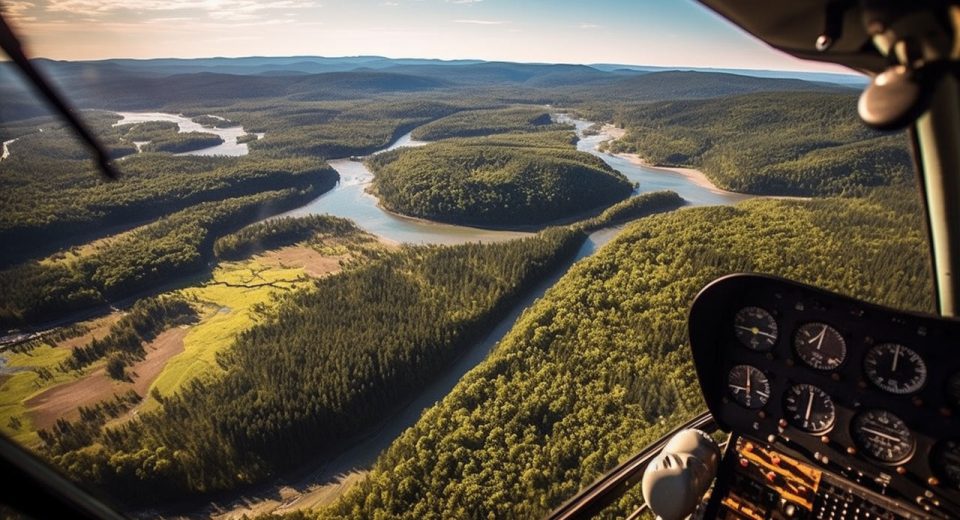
(474, 123)
(505, 180)
(148, 130)
(632, 209)
(770, 144)
(328, 364)
(279, 232)
(143, 259)
(183, 142)
(214, 121)
(600, 366)
(337, 130)
(71, 204)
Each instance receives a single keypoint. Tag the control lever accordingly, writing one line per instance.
(675, 481)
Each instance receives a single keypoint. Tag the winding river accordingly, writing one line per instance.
(350, 200)
(229, 147)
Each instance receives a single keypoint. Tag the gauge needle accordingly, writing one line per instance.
(754, 330)
(748, 379)
(806, 417)
(880, 434)
(819, 337)
(896, 357)
(741, 388)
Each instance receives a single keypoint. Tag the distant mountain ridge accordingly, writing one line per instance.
(319, 64)
(126, 84)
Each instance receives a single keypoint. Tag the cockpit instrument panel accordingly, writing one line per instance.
(868, 395)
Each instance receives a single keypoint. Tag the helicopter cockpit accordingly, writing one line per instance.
(835, 408)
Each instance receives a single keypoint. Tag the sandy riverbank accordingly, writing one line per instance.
(612, 133)
(695, 176)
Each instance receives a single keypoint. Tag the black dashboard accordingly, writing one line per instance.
(840, 408)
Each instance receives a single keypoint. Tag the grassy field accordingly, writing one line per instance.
(22, 381)
(229, 302)
(229, 309)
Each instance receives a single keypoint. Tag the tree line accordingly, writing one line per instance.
(141, 260)
(279, 232)
(141, 324)
(473, 123)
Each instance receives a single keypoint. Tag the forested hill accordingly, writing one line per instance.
(600, 366)
(797, 143)
(329, 364)
(503, 180)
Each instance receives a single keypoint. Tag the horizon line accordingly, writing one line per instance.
(851, 73)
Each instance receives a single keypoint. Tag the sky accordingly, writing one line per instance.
(634, 32)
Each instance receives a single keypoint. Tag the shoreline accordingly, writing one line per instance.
(694, 175)
(612, 133)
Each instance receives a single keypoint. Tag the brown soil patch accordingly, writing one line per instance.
(62, 401)
(99, 328)
(313, 263)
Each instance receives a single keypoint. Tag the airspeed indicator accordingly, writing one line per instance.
(895, 368)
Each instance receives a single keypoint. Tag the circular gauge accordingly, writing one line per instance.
(748, 386)
(895, 368)
(755, 328)
(809, 408)
(883, 436)
(820, 346)
(945, 461)
(953, 390)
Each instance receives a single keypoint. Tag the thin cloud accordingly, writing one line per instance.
(482, 22)
(464, 1)
(391, 4)
(16, 10)
(218, 9)
(589, 26)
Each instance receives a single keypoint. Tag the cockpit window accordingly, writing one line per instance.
(411, 258)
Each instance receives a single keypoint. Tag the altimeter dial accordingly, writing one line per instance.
(748, 386)
(820, 346)
(809, 408)
(883, 436)
(895, 368)
(755, 328)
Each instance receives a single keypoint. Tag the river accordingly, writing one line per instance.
(349, 199)
(6, 149)
(648, 178)
(229, 147)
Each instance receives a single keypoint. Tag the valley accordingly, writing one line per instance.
(367, 283)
